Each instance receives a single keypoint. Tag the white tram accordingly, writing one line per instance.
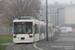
(28, 30)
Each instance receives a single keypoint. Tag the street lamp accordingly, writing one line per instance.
(55, 19)
(41, 14)
(58, 15)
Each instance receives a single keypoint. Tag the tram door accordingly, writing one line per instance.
(36, 32)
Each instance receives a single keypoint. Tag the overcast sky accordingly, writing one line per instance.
(59, 1)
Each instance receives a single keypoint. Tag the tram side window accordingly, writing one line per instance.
(42, 29)
(36, 29)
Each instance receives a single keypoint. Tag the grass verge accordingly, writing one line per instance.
(2, 47)
(5, 40)
(54, 36)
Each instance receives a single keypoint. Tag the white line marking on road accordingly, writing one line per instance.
(37, 47)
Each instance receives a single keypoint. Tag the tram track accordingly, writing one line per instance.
(16, 47)
(28, 46)
(11, 48)
(19, 47)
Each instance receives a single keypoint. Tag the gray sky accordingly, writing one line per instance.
(59, 1)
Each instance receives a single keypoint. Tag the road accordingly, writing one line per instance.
(20, 47)
(65, 41)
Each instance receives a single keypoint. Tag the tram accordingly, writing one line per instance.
(27, 30)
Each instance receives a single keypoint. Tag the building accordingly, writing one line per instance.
(61, 13)
(70, 15)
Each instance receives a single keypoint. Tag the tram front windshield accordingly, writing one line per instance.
(22, 27)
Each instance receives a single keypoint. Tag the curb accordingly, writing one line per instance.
(34, 45)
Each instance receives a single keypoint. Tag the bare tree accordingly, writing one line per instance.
(14, 8)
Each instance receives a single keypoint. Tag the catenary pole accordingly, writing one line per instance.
(46, 21)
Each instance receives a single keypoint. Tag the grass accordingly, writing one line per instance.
(38, 41)
(2, 47)
(54, 36)
(5, 40)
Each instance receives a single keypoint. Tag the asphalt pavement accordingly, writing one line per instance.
(65, 41)
(20, 47)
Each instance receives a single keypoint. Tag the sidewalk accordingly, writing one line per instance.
(7, 43)
(61, 42)
(46, 45)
